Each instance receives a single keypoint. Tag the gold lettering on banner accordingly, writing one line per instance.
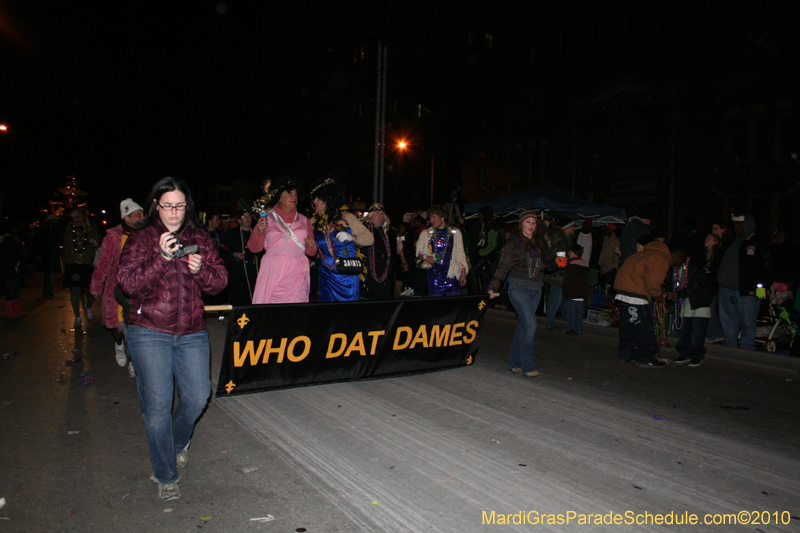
(472, 332)
(455, 338)
(439, 339)
(249, 350)
(342, 338)
(280, 350)
(421, 337)
(375, 335)
(357, 344)
(402, 330)
(297, 358)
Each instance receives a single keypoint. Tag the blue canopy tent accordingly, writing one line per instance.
(547, 197)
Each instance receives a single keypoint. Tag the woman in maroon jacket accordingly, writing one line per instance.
(164, 268)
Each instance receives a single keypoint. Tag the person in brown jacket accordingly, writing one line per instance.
(638, 282)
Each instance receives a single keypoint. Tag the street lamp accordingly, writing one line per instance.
(3, 127)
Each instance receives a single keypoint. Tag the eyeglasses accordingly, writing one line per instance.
(170, 207)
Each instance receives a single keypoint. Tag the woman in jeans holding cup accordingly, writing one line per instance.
(164, 268)
(523, 260)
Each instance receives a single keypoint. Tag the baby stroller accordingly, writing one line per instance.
(775, 328)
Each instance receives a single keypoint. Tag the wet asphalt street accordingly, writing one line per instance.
(433, 452)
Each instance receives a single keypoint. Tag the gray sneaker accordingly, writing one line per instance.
(182, 459)
(89, 314)
(119, 353)
(131, 370)
(169, 491)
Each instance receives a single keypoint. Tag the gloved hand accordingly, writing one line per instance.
(761, 293)
(343, 236)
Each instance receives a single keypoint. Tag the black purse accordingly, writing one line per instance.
(349, 266)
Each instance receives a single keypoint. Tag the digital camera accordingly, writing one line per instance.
(181, 249)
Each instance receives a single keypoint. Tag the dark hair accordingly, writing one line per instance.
(332, 193)
(487, 212)
(284, 183)
(165, 185)
(437, 210)
(678, 250)
(535, 241)
(576, 249)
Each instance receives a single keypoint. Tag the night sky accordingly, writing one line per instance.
(122, 93)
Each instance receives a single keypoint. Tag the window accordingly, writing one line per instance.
(760, 140)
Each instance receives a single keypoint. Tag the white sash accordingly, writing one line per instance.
(287, 229)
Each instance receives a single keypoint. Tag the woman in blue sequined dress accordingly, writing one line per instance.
(441, 247)
(336, 233)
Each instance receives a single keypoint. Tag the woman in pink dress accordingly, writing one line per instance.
(285, 236)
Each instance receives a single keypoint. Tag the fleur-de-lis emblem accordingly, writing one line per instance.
(482, 305)
(470, 360)
(243, 321)
(229, 386)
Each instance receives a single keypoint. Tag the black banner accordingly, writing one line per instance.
(289, 345)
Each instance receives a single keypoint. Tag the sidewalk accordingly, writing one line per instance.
(756, 358)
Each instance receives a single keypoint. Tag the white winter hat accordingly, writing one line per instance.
(128, 206)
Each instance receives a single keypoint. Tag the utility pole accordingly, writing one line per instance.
(380, 125)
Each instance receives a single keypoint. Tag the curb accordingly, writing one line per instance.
(765, 360)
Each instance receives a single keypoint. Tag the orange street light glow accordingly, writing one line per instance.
(3, 127)
(402, 144)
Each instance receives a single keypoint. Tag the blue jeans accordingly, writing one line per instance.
(525, 301)
(692, 337)
(738, 313)
(553, 303)
(573, 312)
(637, 335)
(164, 364)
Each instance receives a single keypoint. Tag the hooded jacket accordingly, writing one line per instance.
(642, 274)
(104, 277)
(165, 296)
(745, 270)
(576, 280)
(699, 289)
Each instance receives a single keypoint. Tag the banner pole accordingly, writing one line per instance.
(213, 308)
